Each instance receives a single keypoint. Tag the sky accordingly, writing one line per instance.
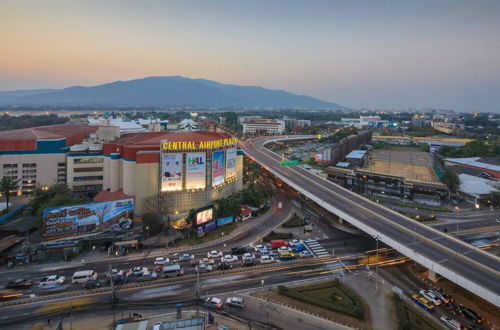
(361, 54)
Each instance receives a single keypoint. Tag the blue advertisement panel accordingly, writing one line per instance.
(218, 166)
(230, 163)
(88, 218)
(224, 221)
(210, 226)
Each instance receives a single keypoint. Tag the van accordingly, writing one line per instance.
(83, 276)
(173, 270)
(277, 243)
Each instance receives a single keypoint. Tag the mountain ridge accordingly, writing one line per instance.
(173, 91)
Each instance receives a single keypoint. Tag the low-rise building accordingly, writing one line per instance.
(264, 126)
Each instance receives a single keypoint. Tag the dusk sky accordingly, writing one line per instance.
(382, 54)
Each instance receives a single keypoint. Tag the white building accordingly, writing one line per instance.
(246, 119)
(265, 126)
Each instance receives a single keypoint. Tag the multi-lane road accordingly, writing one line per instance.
(479, 269)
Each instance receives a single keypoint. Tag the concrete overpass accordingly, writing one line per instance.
(461, 263)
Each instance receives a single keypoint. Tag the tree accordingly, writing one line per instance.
(425, 147)
(152, 222)
(7, 184)
(451, 179)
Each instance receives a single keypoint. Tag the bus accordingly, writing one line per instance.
(422, 302)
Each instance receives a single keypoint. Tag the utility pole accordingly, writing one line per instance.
(377, 238)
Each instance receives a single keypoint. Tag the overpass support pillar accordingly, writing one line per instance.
(431, 275)
(341, 221)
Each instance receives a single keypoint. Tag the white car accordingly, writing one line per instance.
(235, 302)
(214, 254)
(259, 247)
(284, 249)
(427, 294)
(440, 296)
(266, 259)
(203, 268)
(161, 261)
(52, 279)
(138, 271)
(148, 276)
(213, 302)
(207, 261)
(305, 254)
(230, 258)
(294, 242)
(186, 257)
(248, 256)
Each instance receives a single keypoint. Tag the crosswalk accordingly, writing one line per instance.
(315, 247)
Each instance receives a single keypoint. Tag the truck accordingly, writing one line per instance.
(284, 256)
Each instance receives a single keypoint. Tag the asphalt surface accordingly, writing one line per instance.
(478, 267)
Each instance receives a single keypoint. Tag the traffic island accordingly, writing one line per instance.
(407, 317)
(330, 300)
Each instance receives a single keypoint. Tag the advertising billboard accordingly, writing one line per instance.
(230, 163)
(171, 172)
(88, 218)
(204, 216)
(218, 168)
(224, 221)
(196, 170)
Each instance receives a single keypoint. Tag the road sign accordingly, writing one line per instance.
(290, 162)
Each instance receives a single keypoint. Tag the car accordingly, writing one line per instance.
(305, 254)
(299, 247)
(266, 259)
(207, 261)
(224, 266)
(249, 263)
(444, 298)
(19, 284)
(294, 242)
(451, 323)
(248, 256)
(148, 276)
(203, 268)
(230, 258)
(235, 302)
(277, 243)
(52, 279)
(138, 271)
(470, 314)
(239, 250)
(213, 302)
(284, 249)
(264, 252)
(258, 247)
(427, 294)
(116, 275)
(161, 261)
(92, 284)
(186, 257)
(214, 254)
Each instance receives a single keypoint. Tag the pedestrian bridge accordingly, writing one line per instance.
(461, 263)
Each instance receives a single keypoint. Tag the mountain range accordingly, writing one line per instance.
(164, 91)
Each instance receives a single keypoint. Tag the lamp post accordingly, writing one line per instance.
(377, 238)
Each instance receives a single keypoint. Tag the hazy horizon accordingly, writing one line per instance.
(386, 55)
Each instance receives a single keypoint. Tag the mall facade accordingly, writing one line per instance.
(171, 172)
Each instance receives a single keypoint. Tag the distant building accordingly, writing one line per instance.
(293, 123)
(246, 119)
(188, 125)
(475, 163)
(342, 148)
(433, 141)
(356, 158)
(264, 126)
(474, 188)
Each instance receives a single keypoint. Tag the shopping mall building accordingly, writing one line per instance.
(171, 172)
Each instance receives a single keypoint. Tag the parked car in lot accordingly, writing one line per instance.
(19, 284)
(294, 242)
(240, 250)
(266, 259)
(52, 279)
(248, 256)
(235, 302)
(470, 314)
(224, 266)
(230, 258)
(92, 284)
(186, 257)
(161, 261)
(138, 271)
(83, 276)
(284, 249)
(305, 254)
(203, 268)
(277, 243)
(213, 302)
(427, 294)
(214, 254)
(259, 247)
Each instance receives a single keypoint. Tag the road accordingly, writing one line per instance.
(475, 266)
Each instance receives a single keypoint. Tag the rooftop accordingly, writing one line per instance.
(473, 185)
(358, 154)
(474, 161)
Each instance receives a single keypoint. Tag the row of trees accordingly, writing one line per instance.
(474, 148)
(15, 122)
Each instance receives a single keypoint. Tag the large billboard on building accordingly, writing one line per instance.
(230, 163)
(204, 216)
(218, 166)
(88, 218)
(171, 172)
(196, 170)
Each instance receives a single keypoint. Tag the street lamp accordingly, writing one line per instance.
(377, 238)
(458, 221)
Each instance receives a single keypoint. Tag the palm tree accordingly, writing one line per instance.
(7, 184)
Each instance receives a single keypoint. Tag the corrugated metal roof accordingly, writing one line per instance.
(473, 161)
(358, 154)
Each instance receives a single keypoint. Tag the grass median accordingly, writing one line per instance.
(408, 318)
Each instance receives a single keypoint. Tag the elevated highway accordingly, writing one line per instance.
(461, 263)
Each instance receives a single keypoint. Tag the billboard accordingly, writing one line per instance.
(196, 170)
(171, 172)
(218, 168)
(87, 218)
(204, 216)
(224, 221)
(230, 163)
